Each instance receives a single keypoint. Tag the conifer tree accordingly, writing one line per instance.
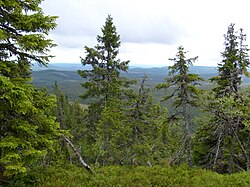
(104, 81)
(104, 85)
(185, 95)
(228, 109)
(149, 128)
(27, 127)
(234, 64)
(111, 135)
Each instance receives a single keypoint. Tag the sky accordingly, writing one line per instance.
(150, 30)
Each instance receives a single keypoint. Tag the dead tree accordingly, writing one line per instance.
(77, 154)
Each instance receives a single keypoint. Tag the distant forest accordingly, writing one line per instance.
(70, 81)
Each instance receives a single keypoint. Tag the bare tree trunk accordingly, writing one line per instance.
(218, 149)
(247, 147)
(188, 144)
(232, 146)
(180, 152)
(188, 135)
(245, 152)
(230, 168)
(77, 154)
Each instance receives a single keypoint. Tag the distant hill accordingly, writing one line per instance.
(158, 74)
(132, 69)
(154, 74)
(69, 81)
(58, 66)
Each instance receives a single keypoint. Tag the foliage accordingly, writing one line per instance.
(71, 118)
(27, 127)
(112, 135)
(22, 33)
(217, 135)
(135, 176)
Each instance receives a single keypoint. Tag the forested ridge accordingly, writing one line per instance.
(127, 134)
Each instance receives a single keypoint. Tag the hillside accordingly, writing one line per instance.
(69, 81)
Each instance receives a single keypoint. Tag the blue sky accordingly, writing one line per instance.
(150, 30)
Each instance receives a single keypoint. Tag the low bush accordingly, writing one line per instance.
(132, 176)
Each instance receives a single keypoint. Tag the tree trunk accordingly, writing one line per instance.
(230, 168)
(188, 135)
(218, 148)
(233, 145)
(245, 152)
(247, 147)
(180, 152)
(77, 154)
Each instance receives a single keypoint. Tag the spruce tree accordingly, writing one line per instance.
(231, 69)
(104, 87)
(233, 65)
(149, 140)
(222, 140)
(228, 108)
(185, 94)
(27, 126)
(112, 135)
(103, 80)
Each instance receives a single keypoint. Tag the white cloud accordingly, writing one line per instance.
(150, 30)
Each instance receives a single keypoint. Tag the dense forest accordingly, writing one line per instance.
(193, 133)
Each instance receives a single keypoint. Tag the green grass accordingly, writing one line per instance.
(136, 176)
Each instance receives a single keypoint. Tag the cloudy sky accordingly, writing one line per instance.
(150, 30)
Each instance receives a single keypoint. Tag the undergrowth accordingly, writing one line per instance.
(130, 176)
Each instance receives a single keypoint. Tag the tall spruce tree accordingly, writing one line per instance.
(185, 95)
(104, 85)
(103, 80)
(27, 129)
(228, 110)
(233, 65)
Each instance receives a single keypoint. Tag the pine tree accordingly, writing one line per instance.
(185, 94)
(27, 127)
